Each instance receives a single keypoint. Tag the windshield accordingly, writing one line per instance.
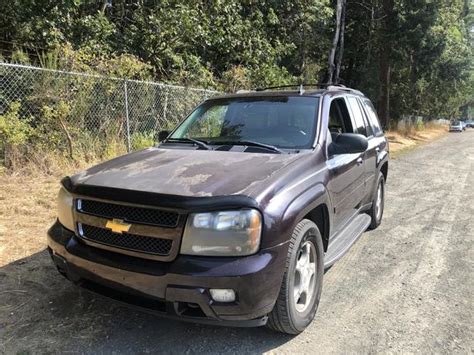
(455, 123)
(283, 122)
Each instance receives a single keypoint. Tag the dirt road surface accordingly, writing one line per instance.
(405, 287)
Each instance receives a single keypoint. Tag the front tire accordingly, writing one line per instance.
(301, 288)
(378, 203)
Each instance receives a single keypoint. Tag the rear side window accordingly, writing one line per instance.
(358, 116)
(372, 115)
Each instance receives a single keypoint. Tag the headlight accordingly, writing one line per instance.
(226, 233)
(65, 209)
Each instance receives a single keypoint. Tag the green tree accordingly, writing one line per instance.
(410, 57)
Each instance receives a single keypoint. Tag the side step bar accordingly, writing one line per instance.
(341, 243)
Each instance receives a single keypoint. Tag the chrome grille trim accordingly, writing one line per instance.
(128, 213)
(145, 230)
(127, 241)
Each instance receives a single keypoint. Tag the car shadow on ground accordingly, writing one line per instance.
(40, 311)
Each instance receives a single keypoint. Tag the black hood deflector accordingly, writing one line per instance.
(175, 202)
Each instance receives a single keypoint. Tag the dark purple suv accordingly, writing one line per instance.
(233, 218)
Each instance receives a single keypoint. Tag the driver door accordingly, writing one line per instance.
(346, 185)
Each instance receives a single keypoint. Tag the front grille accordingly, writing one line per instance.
(133, 242)
(130, 214)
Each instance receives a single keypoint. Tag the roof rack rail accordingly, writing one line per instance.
(244, 91)
(300, 87)
(344, 88)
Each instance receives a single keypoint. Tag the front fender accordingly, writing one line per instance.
(310, 199)
(281, 217)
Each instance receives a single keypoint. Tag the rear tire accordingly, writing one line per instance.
(378, 203)
(301, 288)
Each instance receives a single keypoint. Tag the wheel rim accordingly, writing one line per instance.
(305, 273)
(379, 202)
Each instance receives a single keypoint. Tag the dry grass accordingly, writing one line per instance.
(27, 209)
(36, 312)
(26, 161)
(407, 139)
(28, 204)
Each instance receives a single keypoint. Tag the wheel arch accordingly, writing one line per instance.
(320, 216)
(313, 204)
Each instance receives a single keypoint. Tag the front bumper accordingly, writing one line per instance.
(179, 288)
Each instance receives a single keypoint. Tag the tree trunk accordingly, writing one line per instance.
(385, 62)
(370, 35)
(335, 41)
(104, 7)
(384, 96)
(341, 42)
(303, 56)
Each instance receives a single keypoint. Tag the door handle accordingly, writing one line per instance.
(360, 161)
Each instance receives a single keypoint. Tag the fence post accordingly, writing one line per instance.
(165, 112)
(125, 88)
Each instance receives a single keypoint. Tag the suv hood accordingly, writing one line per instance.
(194, 173)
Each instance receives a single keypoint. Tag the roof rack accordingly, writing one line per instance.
(344, 88)
(319, 85)
(243, 91)
(300, 87)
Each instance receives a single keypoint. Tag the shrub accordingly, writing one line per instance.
(236, 78)
(142, 140)
(14, 134)
(270, 75)
(419, 125)
(54, 130)
(13, 130)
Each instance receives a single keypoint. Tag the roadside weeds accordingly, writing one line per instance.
(405, 142)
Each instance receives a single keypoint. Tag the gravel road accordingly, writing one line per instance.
(405, 287)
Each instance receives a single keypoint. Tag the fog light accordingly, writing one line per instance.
(222, 295)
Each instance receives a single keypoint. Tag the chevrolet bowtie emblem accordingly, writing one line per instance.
(118, 226)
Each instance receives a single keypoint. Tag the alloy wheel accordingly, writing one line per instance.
(379, 201)
(305, 271)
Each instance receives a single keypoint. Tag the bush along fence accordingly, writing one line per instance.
(83, 116)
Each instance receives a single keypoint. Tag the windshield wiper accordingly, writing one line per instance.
(250, 143)
(189, 140)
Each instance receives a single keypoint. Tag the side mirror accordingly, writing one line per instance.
(348, 143)
(162, 135)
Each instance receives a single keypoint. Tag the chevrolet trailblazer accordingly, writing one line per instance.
(233, 218)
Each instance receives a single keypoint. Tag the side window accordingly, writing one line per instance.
(372, 115)
(358, 116)
(339, 119)
(368, 126)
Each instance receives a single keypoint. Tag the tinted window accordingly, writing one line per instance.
(284, 122)
(372, 115)
(357, 115)
(368, 126)
(339, 120)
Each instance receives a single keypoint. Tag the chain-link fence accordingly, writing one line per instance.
(83, 114)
